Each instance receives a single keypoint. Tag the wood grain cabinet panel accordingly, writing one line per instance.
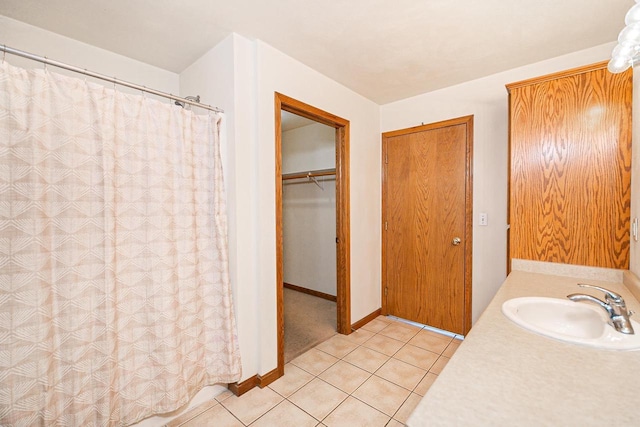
(570, 168)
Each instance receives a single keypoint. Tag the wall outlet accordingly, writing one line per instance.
(484, 218)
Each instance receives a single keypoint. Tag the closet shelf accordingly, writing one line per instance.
(309, 174)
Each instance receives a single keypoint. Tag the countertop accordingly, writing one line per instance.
(504, 375)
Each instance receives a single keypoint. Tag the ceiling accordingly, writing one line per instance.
(384, 50)
(290, 121)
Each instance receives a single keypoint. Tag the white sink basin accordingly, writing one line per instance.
(573, 322)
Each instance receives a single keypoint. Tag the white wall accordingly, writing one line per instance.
(258, 72)
(41, 42)
(309, 210)
(280, 73)
(487, 100)
(308, 147)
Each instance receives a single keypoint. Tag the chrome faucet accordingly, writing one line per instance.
(613, 304)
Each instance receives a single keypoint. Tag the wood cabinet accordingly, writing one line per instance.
(570, 168)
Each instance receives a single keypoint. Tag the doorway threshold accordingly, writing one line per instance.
(428, 328)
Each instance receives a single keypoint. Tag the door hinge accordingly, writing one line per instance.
(386, 159)
(385, 226)
(386, 291)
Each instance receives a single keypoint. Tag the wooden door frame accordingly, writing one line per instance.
(343, 233)
(468, 231)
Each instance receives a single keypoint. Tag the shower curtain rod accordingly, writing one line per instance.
(45, 60)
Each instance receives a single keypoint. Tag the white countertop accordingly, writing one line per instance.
(503, 375)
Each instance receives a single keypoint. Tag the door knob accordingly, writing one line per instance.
(456, 241)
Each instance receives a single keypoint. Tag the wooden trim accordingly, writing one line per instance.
(279, 239)
(468, 256)
(310, 112)
(257, 380)
(343, 231)
(366, 319)
(558, 75)
(310, 291)
(241, 388)
(383, 232)
(430, 126)
(508, 260)
(268, 378)
(343, 243)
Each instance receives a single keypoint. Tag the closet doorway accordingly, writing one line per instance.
(330, 183)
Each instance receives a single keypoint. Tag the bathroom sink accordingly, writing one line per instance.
(569, 321)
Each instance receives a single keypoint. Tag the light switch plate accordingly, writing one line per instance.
(484, 218)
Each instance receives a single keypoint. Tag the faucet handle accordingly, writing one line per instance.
(617, 298)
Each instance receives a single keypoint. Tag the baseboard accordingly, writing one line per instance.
(241, 388)
(310, 292)
(268, 378)
(257, 380)
(368, 318)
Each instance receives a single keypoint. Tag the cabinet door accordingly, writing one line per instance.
(570, 172)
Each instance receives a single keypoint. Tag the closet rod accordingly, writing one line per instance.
(45, 60)
(310, 174)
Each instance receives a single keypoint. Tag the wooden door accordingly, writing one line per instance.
(427, 224)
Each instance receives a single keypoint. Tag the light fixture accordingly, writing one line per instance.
(627, 52)
(633, 15)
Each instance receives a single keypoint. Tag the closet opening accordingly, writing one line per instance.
(312, 226)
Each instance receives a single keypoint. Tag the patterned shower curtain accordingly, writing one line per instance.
(114, 292)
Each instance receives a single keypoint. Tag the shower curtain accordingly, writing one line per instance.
(114, 292)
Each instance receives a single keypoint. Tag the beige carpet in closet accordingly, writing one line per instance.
(308, 320)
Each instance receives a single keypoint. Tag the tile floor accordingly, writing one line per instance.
(373, 377)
